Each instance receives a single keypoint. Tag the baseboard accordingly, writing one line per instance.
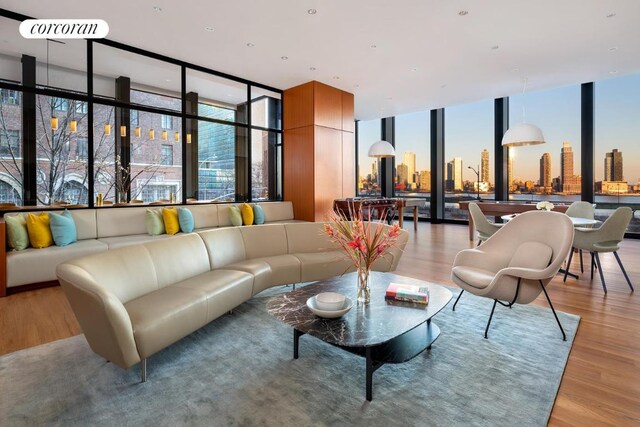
(32, 287)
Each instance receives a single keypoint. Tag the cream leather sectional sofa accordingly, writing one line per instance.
(132, 302)
(108, 228)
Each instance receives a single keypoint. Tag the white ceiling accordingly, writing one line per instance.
(551, 43)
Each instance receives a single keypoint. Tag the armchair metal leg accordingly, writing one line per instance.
(581, 262)
(564, 336)
(604, 285)
(623, 270)
(143, 370)
(566, 271)
(486, 331)
(457, 299)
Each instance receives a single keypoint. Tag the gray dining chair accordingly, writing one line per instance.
(606, 238)
(483, 226)
(581, 210)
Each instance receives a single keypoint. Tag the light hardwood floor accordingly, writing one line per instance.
(601, 383)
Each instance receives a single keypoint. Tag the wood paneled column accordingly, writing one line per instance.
(319, 148)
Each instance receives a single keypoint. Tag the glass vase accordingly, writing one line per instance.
(364, 287)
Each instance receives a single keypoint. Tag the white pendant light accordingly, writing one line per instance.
(381, 149)
(523, 133)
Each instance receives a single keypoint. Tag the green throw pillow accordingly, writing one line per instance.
(235, 216)
(258, 214)
(154, 222)
(63, 228)
(17, 232)
(185, 218)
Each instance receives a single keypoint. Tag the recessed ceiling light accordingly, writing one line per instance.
(284, 58)
(443, 86)
(312, 68)
(463, 12)
(611, 15)
(250, 45)
(613, 48)
(613, 72)
(209, 29)
(495, 47)
(373, 46)
(356, 85)
(312, 11)
(336, 77)
(414, 69)
(157, 8)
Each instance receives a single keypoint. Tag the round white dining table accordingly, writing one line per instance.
(577, 222)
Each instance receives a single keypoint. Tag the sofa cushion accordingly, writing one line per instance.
(224, 245)
(235, 215)
(164, 316)
(285, 269)
(137, 239)
(17, 234)
(224, 290)
(178, 258)
(258, 214)
(204, 215)
(472, 276)
(170, 220)
(224, 217)
(259, 270)
(39, 230)
(264, 240)
(277, 211)
(308, 237)
(63, 228)
(320, 265)
(154, 222)
(20, 264)
(247, 214)
(85, 221)
(113, 222)
(185, 218)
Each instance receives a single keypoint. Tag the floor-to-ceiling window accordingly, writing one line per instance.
(413, 167)
(368, 168)
(468, 155)
(549, 171)
(617, 147)
(11, 146)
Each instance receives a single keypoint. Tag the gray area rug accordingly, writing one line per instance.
(239, 370)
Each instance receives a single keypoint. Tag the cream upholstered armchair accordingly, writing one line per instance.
(515, 264)
(483, 226)
(606, 238)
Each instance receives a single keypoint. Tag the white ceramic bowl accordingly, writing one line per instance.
(330, 301)
(311, 303)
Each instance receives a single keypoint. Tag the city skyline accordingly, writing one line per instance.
(469, 129)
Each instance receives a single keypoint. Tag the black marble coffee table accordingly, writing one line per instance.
(381, 332)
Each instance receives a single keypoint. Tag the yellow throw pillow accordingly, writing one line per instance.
(39, 230)
(247, 214)
(171, 221)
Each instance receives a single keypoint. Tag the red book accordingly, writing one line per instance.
(412, 293)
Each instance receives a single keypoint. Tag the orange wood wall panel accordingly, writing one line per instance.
(327, 106)
(348, 117)
(348, 164)
(328, 167)
(298, 106)
(298, 167)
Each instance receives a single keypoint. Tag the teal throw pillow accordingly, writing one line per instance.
(235, 216)
(17, 232)
(185, 218)
(258, 214)
(63, 228)
(154, 222)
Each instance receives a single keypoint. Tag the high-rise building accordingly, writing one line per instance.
(569, 182)
(425, 181)
(545, 171)
(484, 166)
(409, 159)
(454, 174)
(613, 166)
(510, 156)
(402, 173)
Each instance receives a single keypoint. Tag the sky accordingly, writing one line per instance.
(469, 129)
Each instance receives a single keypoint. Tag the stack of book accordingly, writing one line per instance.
(409, 293)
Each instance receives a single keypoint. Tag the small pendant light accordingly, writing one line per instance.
(177, 137)
(73, 126)
(123, 131)
(164, 135)
(138, 131)
(54, 123)
(152, 134)
(107, 129)
(188, 138)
